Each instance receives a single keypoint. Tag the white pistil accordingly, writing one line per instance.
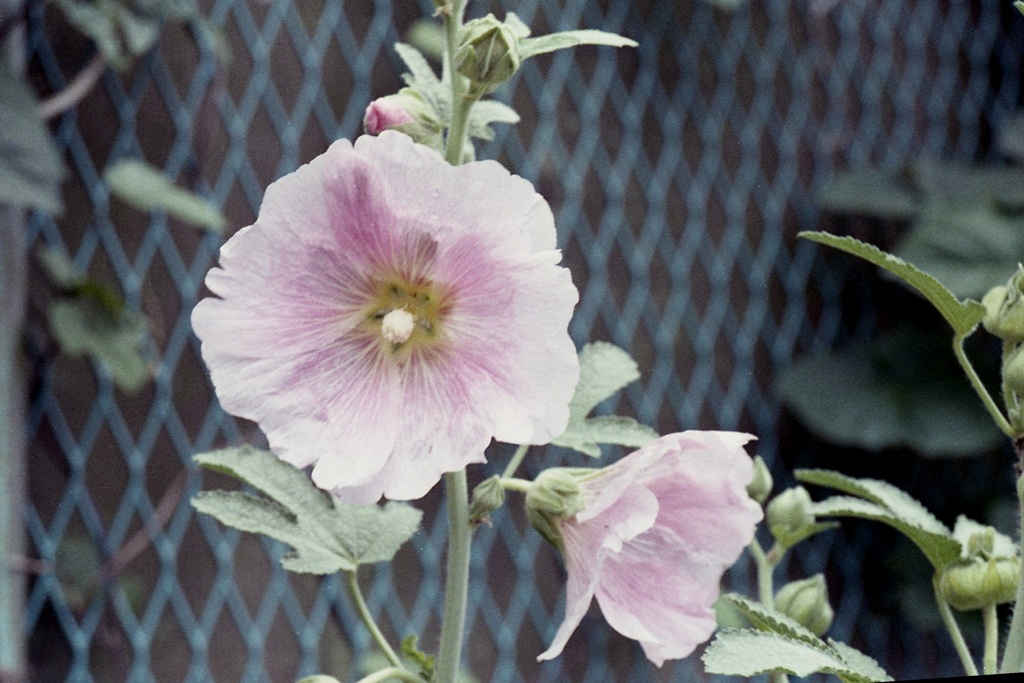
(397, 326)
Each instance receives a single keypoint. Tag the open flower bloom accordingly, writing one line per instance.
(656, 532)
(388, 314)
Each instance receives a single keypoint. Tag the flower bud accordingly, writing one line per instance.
(1004, 309)
(488, 52)
(406, 112)
(553, 496)
(806, 602)
(761, 485)
(789, 515)
(488, 496)
(977, 582)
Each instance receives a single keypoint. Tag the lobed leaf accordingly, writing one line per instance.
(748, 652)
(769, 619)
(963, 316)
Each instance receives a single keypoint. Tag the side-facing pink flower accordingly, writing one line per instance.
(388, 314)
(655, 534)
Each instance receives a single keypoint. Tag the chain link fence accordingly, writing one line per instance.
(679, 174)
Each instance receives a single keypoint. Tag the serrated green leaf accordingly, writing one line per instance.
(328, 535)
(486, 112)
(318, 678)
(939, 548)
(748, 653)
(421, 74)
(266, 472)
(530, 47)
(147, 188)
(871, 192)
(765, 618)
(31, 169)
(85, 325)
(861, 663)
(963, 316)
(586, 434)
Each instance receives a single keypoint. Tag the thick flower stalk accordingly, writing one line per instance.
(388, 315)
(652, 537)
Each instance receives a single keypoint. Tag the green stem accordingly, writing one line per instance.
(991, 659)
(515, 462)
(512, 484)
(1013, 658)
(954, 632)
(371, 625)
(461, 102)
(979, 388)
(388, 674)
(457, 578)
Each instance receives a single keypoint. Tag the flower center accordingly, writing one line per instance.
(397, 326)
(404, 315)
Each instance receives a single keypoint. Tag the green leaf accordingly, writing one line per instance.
(604, 370)
(963, 316)
(59, 268)
(85, 325)
(861, 663)
(871, 192)
(485, 112)
(427, 37)
(901, 390)
(147, 188)
(883, 502)
(420, 71)
(952, 183)
(749, 652)
(31, 169)
(585, 435)
(970, 248)
(530, 47)
(318, 678)
(765, 618)
(327, 535)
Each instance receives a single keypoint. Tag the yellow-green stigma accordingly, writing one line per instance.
(405, 316)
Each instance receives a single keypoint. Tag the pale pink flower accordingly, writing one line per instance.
(388, 314)
(658, 530)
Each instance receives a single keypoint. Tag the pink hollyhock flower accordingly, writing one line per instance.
(388, 314)
(655, 534)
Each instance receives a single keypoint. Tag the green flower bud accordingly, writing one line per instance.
(789, 515)
(488, 52)
(1004, 309)
(806, 602)
(1013, 371)
(553, 496)
(978, 582)
(761, 485)
(488, 496)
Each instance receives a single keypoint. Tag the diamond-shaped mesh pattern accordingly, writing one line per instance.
(679, 174)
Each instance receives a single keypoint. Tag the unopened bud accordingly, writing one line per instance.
(553, 496)
(488, 496)
(1013, 371)
(976, 582)
(789, 515)
(1004, 309)
(406, 112)
(806, 602)
(488, 52)
(761, 485)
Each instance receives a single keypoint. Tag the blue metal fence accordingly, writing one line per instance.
(679, 174)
